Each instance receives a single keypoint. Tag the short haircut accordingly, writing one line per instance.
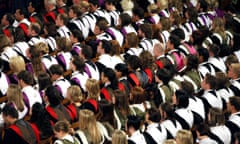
(56, 69)
(107, 46)
(154, 115)
(76, 10)
(203, 52)
(53, 95)
(133, 121)
(87, 51)
(182, 99)
(77, 34)
(138, 11)
(23, 12)
(9, 110)
(26, 77)
(203, 129)
(64, 18)
(178, 32)
(147, 30)
(102, 23)
(10, 18)
(36, 27)
(235, 101)
(125, 19)
(214, 49)
(211, 80)
(79, 63)
(175, 40)
(94, 2)
(134, 62)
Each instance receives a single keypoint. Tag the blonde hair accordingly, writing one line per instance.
(153, 8)
(84, 4)
(17, 64)
(88, 123)
(42, 47)
(75, 93)
(92, 88)
(14, 95)
(127, 5)
(170, 141)
(119, 137)
(184, 137)
(163, 4)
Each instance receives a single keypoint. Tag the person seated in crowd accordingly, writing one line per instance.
(18, 130)
(59, 81)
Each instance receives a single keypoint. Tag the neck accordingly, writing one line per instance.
(12, 121)
(202, 137)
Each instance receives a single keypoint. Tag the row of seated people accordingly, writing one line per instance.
(156, 125)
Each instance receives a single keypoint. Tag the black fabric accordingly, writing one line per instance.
(182, 121)
(10, 137)
(216, 138)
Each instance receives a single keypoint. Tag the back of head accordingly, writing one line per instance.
(62, 126)
(9, 110)
(202, 129)
(107, 46)
(87, 52)
(211, 80)
(182, 99)
(26, 77)
(216, 117)
(184, 137)
(138, 95)
(134, 62)
(56, 69)
(168, 109)
(187, 87)
(147, 30)
(235, 102)
(178, 32)
(119, 137)
(53, 95)
(154, 115)
(125, 19)
(138, 11)
(92, 88)
(134, 122)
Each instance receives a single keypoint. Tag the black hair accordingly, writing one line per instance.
(204, 53)
(182, 99)
(10, 18)
(138, 11)
(9, 110)
(178, 32)
(133, 121)
(107, 46)
(164, 75)
(40, 118)
(122, 68)
(111, 75)
(53, 95)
